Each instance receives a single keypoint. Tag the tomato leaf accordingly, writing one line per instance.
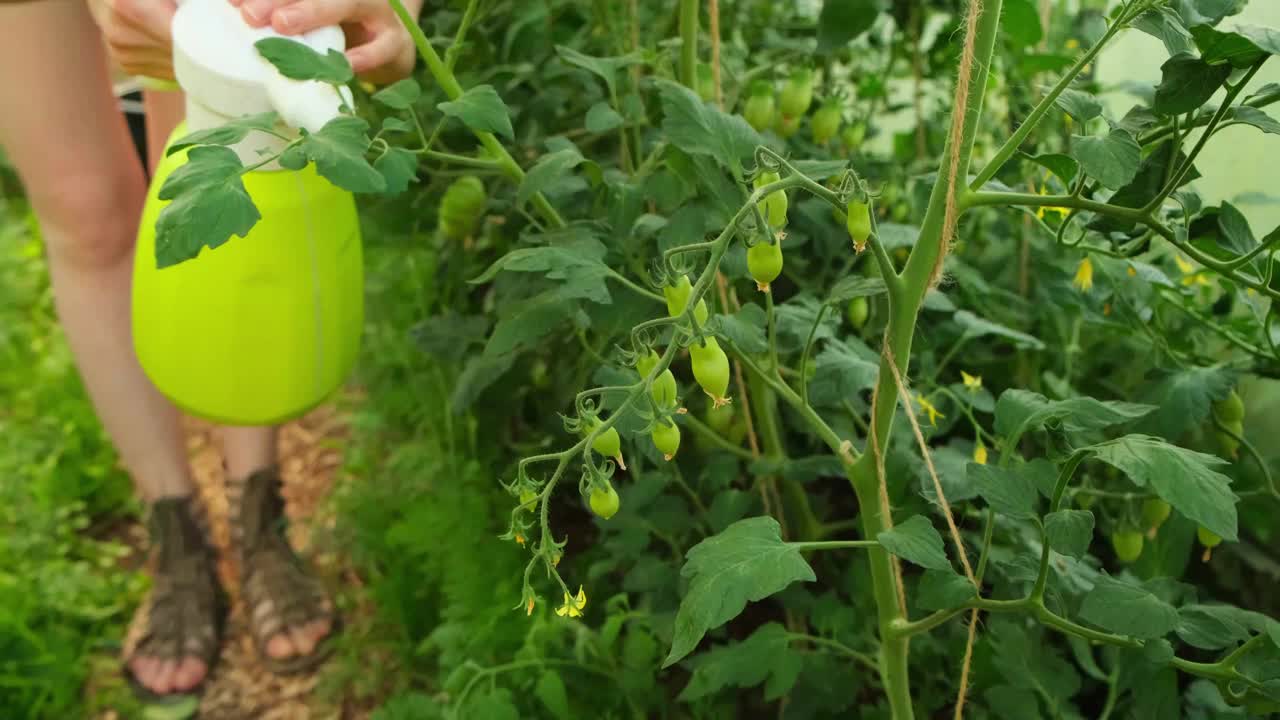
(298, 61)
(1128, 610)
(1010, 492)
(1210, 627)
(1069, 531)
(549, 170)
(399, 95)
(1187, 83)
(228, 133)
(209, 205)
(943, 590)
(1184, 478)
(698, 128)
(399, 167)
(916, 541)
(551, 691)
(841, 21)
(764, 657)
(1112, 159)
(1182, 400)
(338, 150)
(480, 109)
(1079, 104)
(747, 562)
(1021, 411)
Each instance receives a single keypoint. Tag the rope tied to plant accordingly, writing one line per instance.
(960, 103)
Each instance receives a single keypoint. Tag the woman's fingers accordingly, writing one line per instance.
(307, 15)
(385, 58)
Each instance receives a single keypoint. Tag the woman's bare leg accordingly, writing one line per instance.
(60, 125)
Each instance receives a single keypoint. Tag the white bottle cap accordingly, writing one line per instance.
(224, 76)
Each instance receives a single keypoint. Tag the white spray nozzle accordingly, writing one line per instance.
(224, 75)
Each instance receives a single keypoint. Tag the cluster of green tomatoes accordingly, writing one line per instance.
(782, 111)
(1128, 541)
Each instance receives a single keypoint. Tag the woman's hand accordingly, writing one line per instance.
(378, 47)
(137, 34)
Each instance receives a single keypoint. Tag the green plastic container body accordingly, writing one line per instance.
(263, 328)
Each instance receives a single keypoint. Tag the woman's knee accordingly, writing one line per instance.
(90, 221)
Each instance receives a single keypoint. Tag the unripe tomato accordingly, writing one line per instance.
(711, 369)
(604, 501)
(608, 444)
(786, 125)
(1230, 409)
(797, 93)
(1127, 544)
(527, 497)
(461, 207)
(852, 136)
(1154, 512)
(666, 437)
(759, 111)
(859, 308)
(1207, 538)
(764, 262)
(719, 417)
(678, 299)
(664, 386)
(859, 223)
(774, 206)
(826, 123)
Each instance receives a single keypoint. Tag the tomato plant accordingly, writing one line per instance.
(976, 495)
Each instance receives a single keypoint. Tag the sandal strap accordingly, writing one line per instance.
(181, 615)
(278, 591)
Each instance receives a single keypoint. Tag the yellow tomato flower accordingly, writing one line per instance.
(1043, 209)
(1189, 274)
(980, 453)
(529, 607)
(1072, 44)
(520, 538)
(573, 606)
(1133, 272)
(929, 410)
(1084, 275)
(973, 382)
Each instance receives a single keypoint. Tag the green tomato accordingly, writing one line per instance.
(677, 296)
(719, 417)
(786, 125)
(797, 93)
(826, 123)
(1127, 544)
(664, 387)
(604, 501)
(764, 262)
(852, 136)
(1207, 538)
(1154, 512)
(859, 309)
(1230, 409)
(759, 111)
(462, 206)
(608, 444)
(711, 369)
(666, 437)
(859, 223)
(527, 497)
(774, 206)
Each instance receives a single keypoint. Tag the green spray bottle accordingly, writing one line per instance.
(266, 327)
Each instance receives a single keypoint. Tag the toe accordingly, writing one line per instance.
(189, 674)
(279, 646)
(303, 641)
(163, 684)
(320, 628)
(144, 670)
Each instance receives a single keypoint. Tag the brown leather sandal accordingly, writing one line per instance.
(279, 591)
(184, 614)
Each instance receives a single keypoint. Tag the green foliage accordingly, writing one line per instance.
(64, 593)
